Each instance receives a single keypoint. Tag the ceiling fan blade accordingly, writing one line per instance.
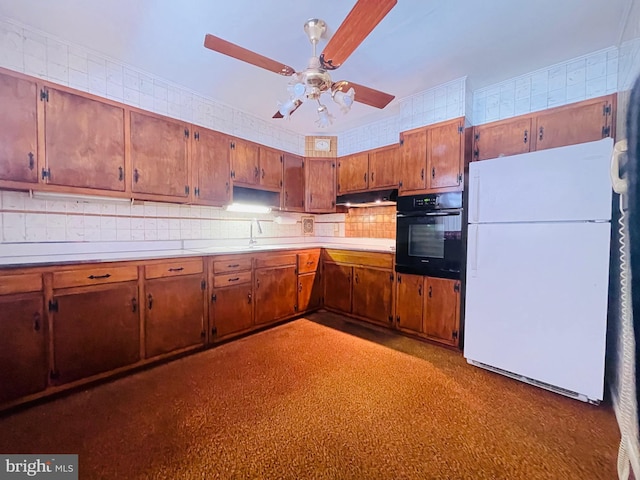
(279, 115)
(232, 50)
(360, 21)
(366, 95)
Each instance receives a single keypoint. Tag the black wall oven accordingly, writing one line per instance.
(429, 235)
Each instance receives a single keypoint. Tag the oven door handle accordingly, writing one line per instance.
(428, 214)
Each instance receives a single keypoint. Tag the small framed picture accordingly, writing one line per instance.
(307, 225)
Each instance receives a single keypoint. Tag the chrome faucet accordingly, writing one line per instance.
(253, 241)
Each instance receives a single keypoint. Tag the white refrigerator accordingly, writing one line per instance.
(538, 267)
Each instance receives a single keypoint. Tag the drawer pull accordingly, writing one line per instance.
(234, 265)
(36, 321)
(150, 301)
(249, 297)
(99, 277)
(310, 263)
(234, 279)
(179, 269)
(134, 305)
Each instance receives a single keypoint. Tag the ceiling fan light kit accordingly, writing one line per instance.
(315, 80)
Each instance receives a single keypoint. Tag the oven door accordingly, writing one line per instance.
(429, 243)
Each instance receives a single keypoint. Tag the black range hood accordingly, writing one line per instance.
(368, 199)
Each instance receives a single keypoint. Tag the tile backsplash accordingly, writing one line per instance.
(373, 222)
(26, 219)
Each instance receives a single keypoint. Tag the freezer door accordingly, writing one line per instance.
(559, 184)
(536, 301)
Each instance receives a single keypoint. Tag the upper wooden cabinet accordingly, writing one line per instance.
(293, 183)
(18, 130)
(84, 142)
(211, 167)
(433, 158)
(506, 137)
(159, 156)
(245, 158)
(579, 122)
(320, 185)
(353, 173)
(383, 163)
(270, 168)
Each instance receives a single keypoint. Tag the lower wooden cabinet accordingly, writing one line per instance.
(276, 293)
(429, 307)
(373, 294)
(231, 310)
(95, 329)
(174, 316)
(309, 292)
(23, 346)
(337, 287)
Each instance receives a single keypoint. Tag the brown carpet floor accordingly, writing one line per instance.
(320, 398)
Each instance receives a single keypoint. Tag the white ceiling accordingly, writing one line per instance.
(418, 45)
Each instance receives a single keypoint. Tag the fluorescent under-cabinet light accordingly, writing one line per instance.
(69, 197)
(248, 208)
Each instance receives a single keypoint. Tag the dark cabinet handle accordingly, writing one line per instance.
(134, 305)
(257, 283)
(357, 280)
(541, 133)
(136, 175)
(256, 172)
(99, 277)
(526, 136)
(420, 290)
(299, 287)
(430, 292)
(311, 198)
(233, 265)
(433, 172)
(422, 174)
(120, 173)
(36, 321)
(397, 319)
(263, 173)
(249, 297)
(150, 301)
(286, 197)
(372, 174)
(234, 279)
(32, 162)
(179, 269)
(226, 186)
(310, 262)
(365, 177)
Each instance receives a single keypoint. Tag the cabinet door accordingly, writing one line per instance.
(293, 183)
(414, 161)
(211, 166)
(232, 310)
(95, 329)
(309, 292)
(372, 294)
(23, 350)
(244, 162)
(382, 167)
(410, 303)
(276, 293)
(84, 142)
(18, 130)
(337, 287)
(320, 185)
(443, 310)
(578, 123)
(270, 168)
(159, 156)
(503, 138)
(353, 173)
(174, 314)
(445, 154)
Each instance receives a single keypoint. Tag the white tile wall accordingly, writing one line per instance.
(577, 79)
(35, 53)
(26, 219)
(434, 105)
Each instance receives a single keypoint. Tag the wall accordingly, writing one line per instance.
(577, 79)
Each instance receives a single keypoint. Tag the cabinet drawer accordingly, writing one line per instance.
(276, 260)
(183, 267)
(94, 276)
(372, 259)
(231, 279)
(308, 261)
(233, 264)
(21, 283)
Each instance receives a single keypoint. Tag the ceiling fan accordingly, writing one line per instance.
(314, 80)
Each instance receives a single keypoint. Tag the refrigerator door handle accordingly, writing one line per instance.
(474, 236)
(476, 199)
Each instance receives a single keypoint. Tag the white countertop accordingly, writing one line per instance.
(60, 253)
